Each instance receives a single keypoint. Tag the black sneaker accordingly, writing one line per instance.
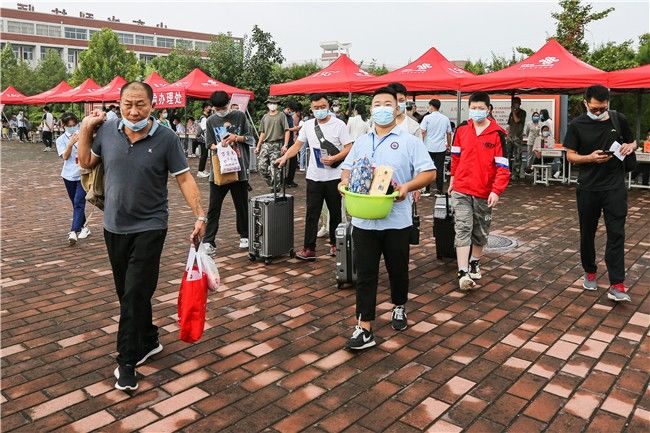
(361, 339)
(474, 269)
(155, 348)
(399, 318)
(126, 378)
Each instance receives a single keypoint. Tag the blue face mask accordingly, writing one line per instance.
(402, 107)
(71, 129)
(535, 119)
(383, 115)
(137, 126)
(478, 115)
(321, 114)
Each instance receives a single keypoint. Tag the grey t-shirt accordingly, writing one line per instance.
(234, 122)
(274, 127)
(135, 176)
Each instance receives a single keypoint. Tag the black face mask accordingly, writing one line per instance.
(543, 117)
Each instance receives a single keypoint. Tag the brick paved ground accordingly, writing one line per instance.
(529, 351)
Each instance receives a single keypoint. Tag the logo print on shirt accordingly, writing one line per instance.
(394, 145)
(150, 150)
(489, 145)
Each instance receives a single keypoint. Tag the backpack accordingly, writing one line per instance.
(92, 181)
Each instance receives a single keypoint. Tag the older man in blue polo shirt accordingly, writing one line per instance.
(387, 144)
(137, 156)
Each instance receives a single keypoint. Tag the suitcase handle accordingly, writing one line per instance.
(284, 183)
(258, 229)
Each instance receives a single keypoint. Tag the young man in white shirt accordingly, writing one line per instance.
(323, 172)
(436, 133)
(48, 127)
(403, 121)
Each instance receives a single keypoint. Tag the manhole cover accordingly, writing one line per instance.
(500, 243)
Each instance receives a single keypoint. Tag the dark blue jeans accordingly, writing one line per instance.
(78, 198)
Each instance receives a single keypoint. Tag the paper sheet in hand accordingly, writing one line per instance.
(616, 148)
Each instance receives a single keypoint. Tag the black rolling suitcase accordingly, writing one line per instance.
(346, 270)
(270, 225)
(443, 228)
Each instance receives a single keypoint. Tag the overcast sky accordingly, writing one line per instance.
(392, 33)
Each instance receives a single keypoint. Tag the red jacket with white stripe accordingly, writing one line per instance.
(479, 164)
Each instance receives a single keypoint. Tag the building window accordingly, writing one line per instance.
(147, 58)
(91, 33)
(73, 57)
(28, 53)
(125, 38)
(147, 41)
(45, 50)
(20, 27)
(51, 31)
(201, 46)
(184, 43)
(164, 42)
(76, 33)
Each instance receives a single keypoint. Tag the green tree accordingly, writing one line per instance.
(50, 72)
(571, 23)
(8, 65)
(282, 74)
(225, 59)
(104, 59)
(612, 56)
(643, 56)
(177, 64)
(260, 54)
(478, 67)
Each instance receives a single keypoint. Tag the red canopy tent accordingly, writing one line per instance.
(45, 97)
(552, 67)
(156, 81)
(198, 84)
(110, 92)
(161, 93)
(81, 93)
(633, 79)
(11, 96)
(342, 76)
(430, 72)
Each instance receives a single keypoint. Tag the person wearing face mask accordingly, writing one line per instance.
(292, 111)
(436, 133)
(274, 134)
(200, 139)
(386, 144)
(21, 122)
(516, 123)
(137, 157)
(323, 171)
(532, 131)
(545, 141)
(162, 119)
(589, 141)
(336, 109)
(403, 121)
(66, 147)
(228, 128)
(479, 175)
(357, 125)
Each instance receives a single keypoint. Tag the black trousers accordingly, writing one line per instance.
(22, 133)
(438, 159)
(47, 138)
(135, 260)
(239, 192)
(369, 245)
(613, 205)
(195, 145)
(317, 192)
(291, 170)
(204, 157)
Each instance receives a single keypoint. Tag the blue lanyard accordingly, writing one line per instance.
(374, 148)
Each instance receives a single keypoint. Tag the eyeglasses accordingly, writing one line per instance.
(597, 110)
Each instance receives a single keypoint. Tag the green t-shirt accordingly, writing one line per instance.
(274, 126)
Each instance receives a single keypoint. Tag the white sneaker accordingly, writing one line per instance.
(45, 149)
(72, 238)
(556, 175)
(243, 243)
(210, 250)
(84, 233)
(323, 232)
(203, 174)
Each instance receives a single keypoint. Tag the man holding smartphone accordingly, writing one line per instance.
(591, 140)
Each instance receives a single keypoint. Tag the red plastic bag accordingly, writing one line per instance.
(192, 300)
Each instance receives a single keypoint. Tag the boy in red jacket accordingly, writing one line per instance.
(479, 175)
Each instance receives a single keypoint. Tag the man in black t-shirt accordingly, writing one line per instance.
(590, 142)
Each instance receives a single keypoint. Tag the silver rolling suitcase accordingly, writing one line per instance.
(270, 226)
(346, 270)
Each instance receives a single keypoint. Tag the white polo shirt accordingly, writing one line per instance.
(336, 132)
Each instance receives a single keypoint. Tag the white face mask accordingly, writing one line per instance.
(272, 107)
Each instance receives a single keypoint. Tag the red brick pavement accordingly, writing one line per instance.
(527, 352)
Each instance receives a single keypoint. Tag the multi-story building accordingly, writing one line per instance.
(31, 34)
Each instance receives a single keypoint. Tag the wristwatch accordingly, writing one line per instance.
(202, 218)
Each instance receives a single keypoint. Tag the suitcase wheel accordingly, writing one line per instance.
(292, 253)
(267, 261)
(251, 257)
(339, 285)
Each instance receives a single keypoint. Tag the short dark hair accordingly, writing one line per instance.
(317, 97)
(219, 99)
(47, 108)
(190, 118)
(384, 91)
(66, 117)
(293, 105)
(112, 107)
(435, 103)
(534, 112)
(545, 126)
(398, 88)
(205, 105)
(479, 97)
(490, 107)
(598, 92)
(147, 88)
(516, 99)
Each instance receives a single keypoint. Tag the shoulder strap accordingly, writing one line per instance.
(453, 139)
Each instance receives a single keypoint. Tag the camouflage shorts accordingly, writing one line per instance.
(472, 218)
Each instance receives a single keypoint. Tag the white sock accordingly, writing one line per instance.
(471, 259)
(463, 269)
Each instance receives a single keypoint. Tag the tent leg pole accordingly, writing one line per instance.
(458, 107)
(638, 117)
(250, 119)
